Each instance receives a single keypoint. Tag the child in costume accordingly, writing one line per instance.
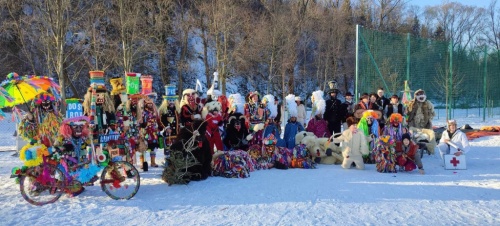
(43, 123)
(293, 126)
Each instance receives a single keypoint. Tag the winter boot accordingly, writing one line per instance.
(153, 163)
(144, 163)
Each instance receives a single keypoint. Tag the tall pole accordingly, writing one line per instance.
(449, 91)
(408, 58)
(484, 81)
(357, 62)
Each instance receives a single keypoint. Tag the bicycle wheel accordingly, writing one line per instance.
(42, 185)
(120, 180)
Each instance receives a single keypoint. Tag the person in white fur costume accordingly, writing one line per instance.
(293, 126)
(354, 145)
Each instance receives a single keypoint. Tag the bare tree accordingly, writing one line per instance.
(460, 23)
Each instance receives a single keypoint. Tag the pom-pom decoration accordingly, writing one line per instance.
(32, 155)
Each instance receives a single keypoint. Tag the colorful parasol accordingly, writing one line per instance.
(24, 88)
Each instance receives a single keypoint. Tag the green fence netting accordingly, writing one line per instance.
(388, 60)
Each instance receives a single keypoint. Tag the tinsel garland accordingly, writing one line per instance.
(32, 155)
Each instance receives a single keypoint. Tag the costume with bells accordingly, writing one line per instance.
(42, 124)
(420, 111)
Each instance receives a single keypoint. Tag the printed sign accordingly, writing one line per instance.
(74, 108)
(452, 162)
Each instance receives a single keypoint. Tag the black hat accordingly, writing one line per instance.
(333, 91)
(348, 94)
(406, 136)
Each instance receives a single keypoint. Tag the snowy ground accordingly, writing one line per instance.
(328, 195)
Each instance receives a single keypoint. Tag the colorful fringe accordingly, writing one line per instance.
(233, 164)
(32, 155)
(27, 130)
(49, 127)
(385, 159)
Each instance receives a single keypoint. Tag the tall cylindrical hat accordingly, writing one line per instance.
(132, 80)
(147, 84)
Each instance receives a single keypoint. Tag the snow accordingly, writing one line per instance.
(328, 195)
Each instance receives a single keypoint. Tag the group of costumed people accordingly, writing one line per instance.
(229, 136)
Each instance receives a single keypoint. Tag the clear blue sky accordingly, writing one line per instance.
(479, 3)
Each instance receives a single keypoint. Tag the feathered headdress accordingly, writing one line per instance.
(268, 100)
(319, 103)
(236, 103)
(291, 105)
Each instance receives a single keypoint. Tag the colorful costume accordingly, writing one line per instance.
(385, 155)
(42, 125)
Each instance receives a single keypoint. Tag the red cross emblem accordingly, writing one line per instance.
(455, 162)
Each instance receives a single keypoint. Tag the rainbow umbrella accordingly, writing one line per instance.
(24, 88)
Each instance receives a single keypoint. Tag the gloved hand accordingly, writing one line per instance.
(249, 137)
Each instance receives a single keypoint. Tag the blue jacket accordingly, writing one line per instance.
(291, 129)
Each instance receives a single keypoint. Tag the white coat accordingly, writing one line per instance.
(458, 139)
